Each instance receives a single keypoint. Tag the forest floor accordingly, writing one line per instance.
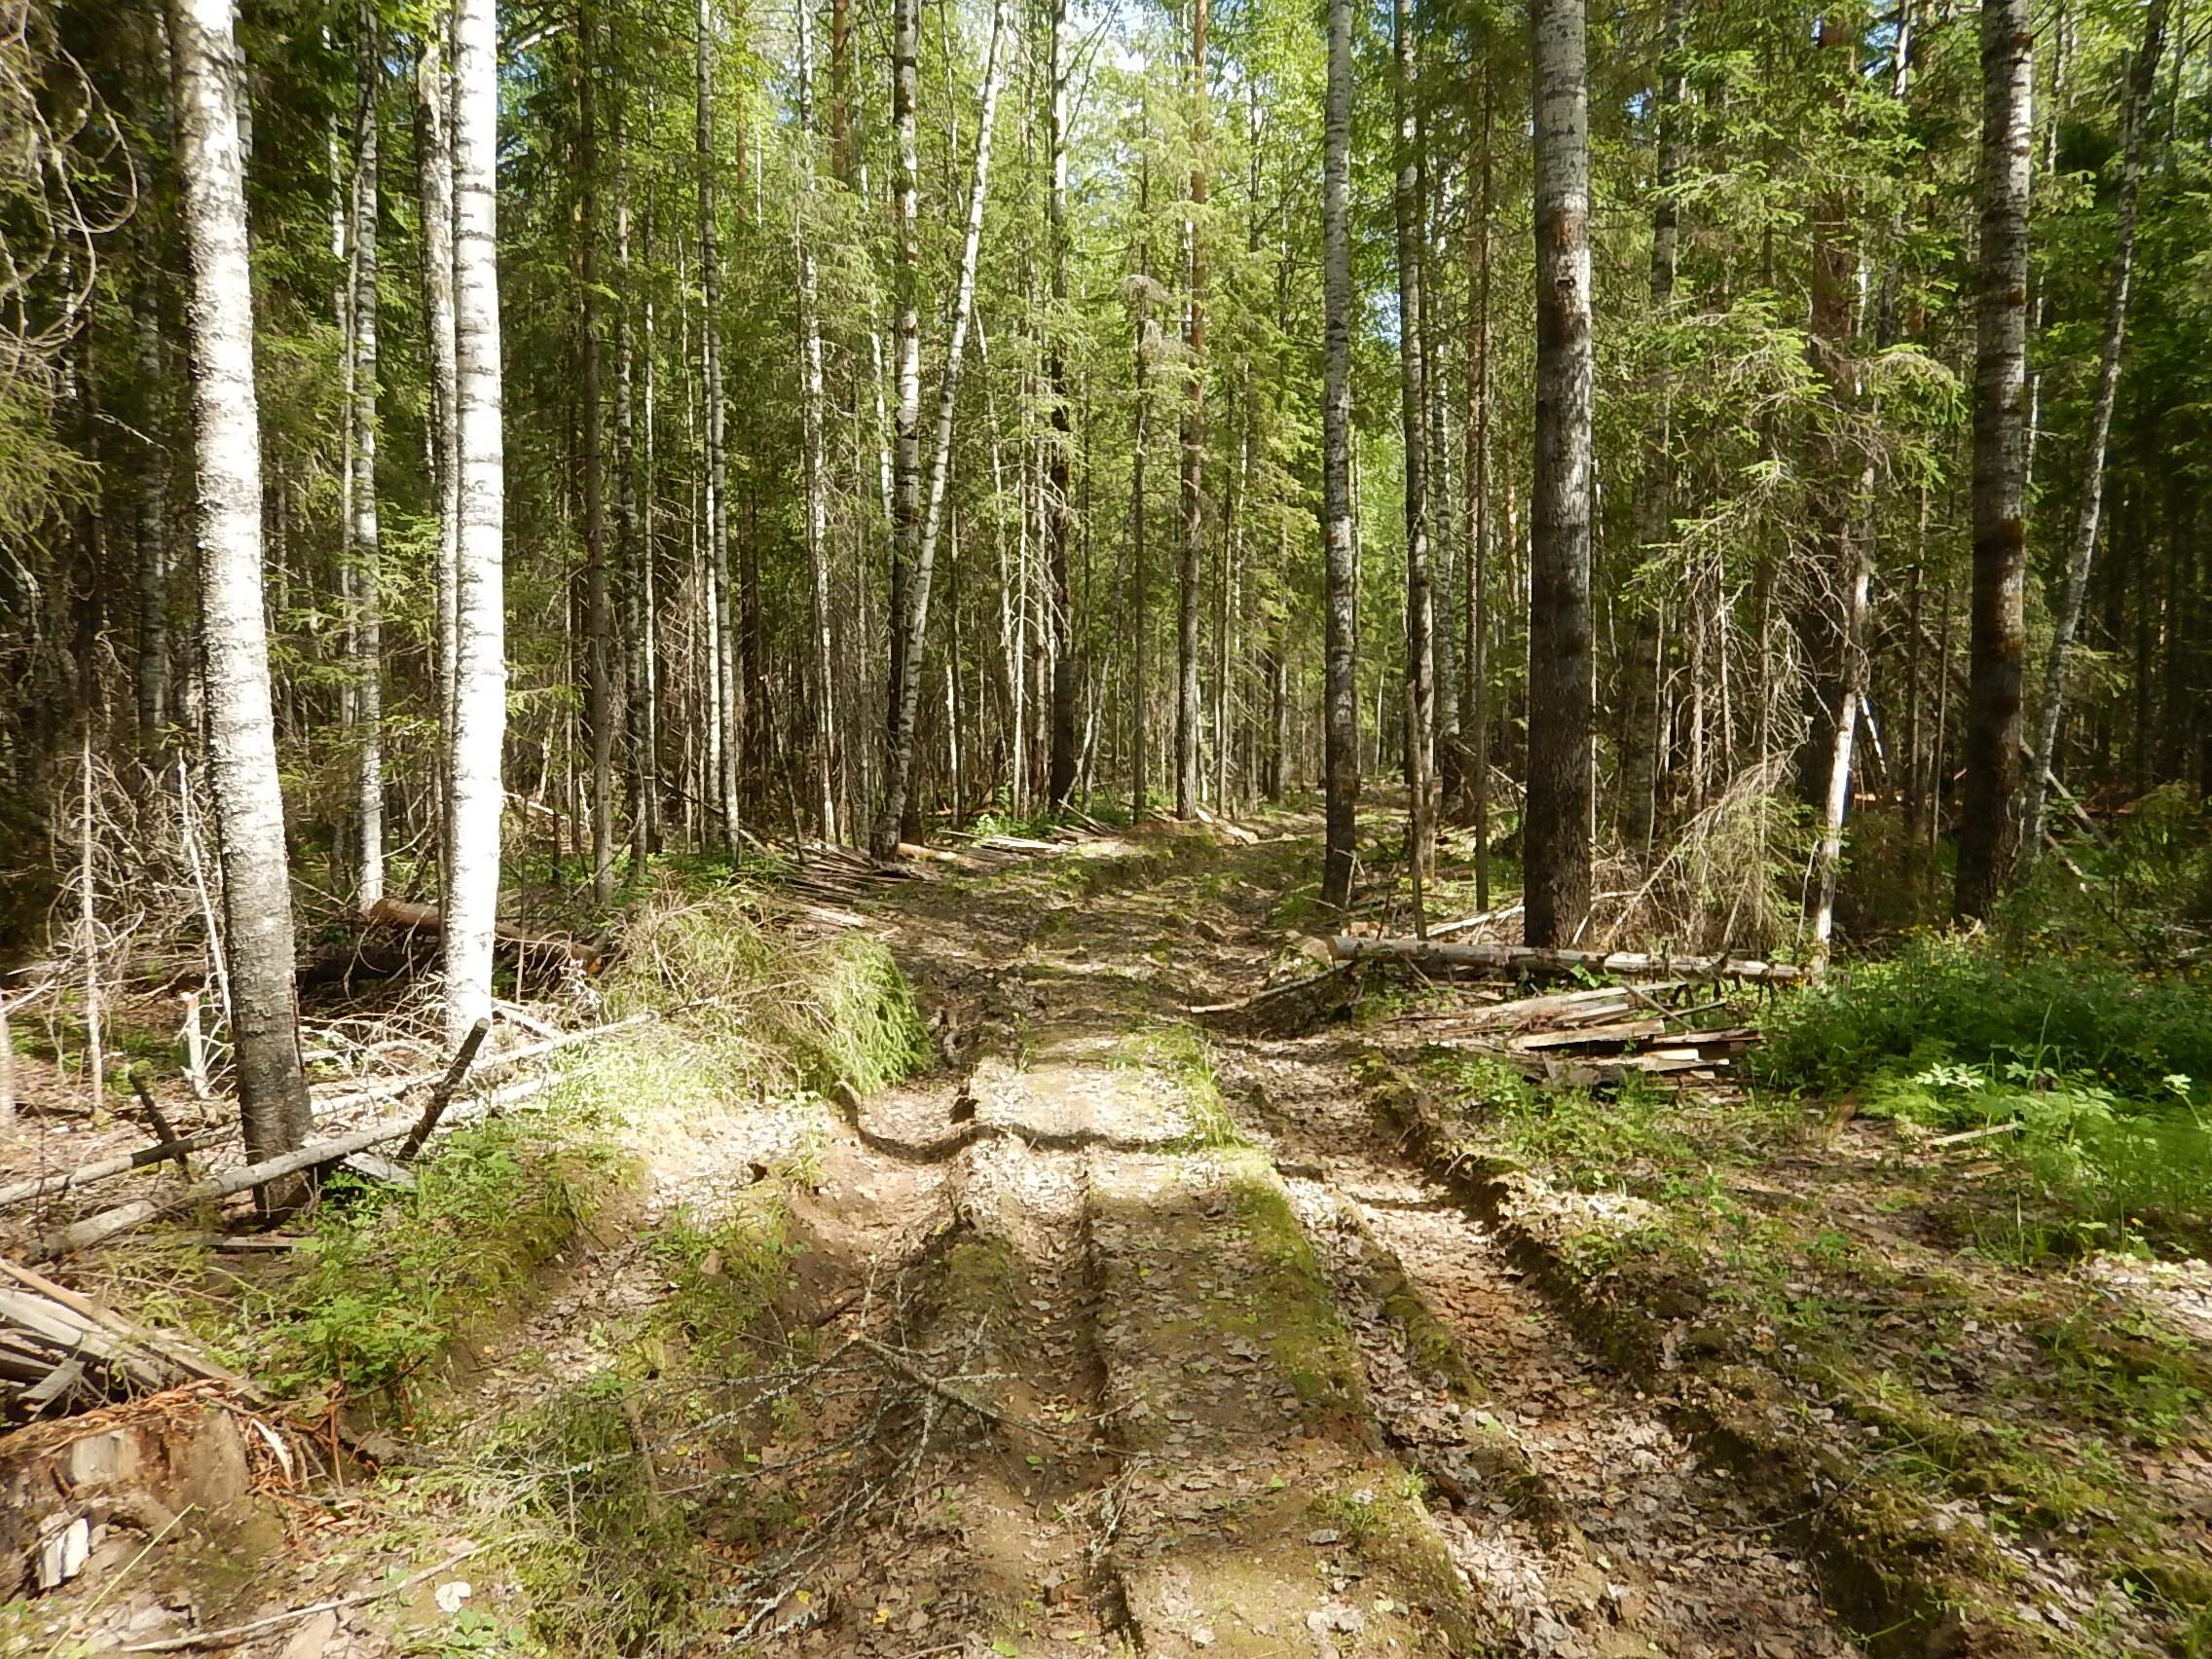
(1119, 1329)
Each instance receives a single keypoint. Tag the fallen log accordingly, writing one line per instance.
(98, 1229)
(184, 1357)
(387, 1088)
(85, 1174)
(1432, 957)
(937, 855)
(550, 951)
(1480, 919)
(68, 1334)
(1558, 1009)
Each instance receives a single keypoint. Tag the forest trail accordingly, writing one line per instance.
(1211, 1367)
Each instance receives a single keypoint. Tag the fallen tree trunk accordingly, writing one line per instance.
(547, 950)
(85, 1174)
(96, 1228)
(1432, 957)
(388, 1088)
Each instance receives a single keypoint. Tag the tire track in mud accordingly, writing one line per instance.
(1210, 1347)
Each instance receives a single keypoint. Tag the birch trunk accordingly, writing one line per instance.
(1192, 545)
(906, 418)
(242, 743)
(433, 160)
(2134, 117)
(480, 672)
(721, 721)
(1341, 741)
(1059, 506)
(1560, 704)
(1421, 604)
(820, 665)
(1654, 501)
(1989, 819)
(364, 549)
(898, 761)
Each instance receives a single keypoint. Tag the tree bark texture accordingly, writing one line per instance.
(242, 743)
(2134, 117)
(1557, 831)
(1340, 595)
(1989, 819)
(476, 789)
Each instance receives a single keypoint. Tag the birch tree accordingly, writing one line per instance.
(898, 761)
(241, 747)
(1340, 596)
(362, 531)
(2134, 118)
(475, 781)
(1557, 830)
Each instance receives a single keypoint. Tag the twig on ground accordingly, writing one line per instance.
(234, 1634)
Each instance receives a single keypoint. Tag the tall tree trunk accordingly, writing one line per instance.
(721, 718)
(1192, 546)
(1059, 506)
(1421, 607)
(1654, 497)
(1835, 638)
(1989, 819)
(819, 666)
(899, 761)
(242, 743)
(1341, 598)
(840, 91)
(151, 669)
(599, 610)
(632, 550)
(433, 162)
(480, 669)
(1474, 689)
(1557, 836)
(906, 407)
(1140, 571)
(2134, 117)
(361, 533)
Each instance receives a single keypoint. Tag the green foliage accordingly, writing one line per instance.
(2103, 1072)
(1954, 998)
(615, 1561)
(813, 1011)
(391, 1275)
(2148, 892)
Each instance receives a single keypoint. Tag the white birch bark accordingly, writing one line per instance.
(363, 538)
(914, 626)
(2142, 80)
(433, 160)
(821, 666)
(475, 786)
(242, 742)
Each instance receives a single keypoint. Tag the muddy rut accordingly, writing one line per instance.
(1199, 1362)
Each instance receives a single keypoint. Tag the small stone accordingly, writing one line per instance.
(312, 1637)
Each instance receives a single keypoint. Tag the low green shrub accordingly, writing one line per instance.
(391, 1275)
(1969, 1001)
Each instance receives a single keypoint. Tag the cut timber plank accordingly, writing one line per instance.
(1589, 1036)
